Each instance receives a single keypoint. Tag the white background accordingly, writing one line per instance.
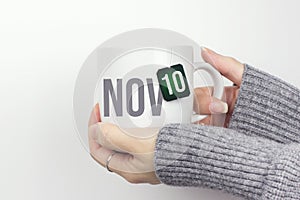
(44, 43)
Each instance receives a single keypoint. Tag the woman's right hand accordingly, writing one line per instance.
(204, 103)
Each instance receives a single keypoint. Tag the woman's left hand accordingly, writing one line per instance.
(134, 157)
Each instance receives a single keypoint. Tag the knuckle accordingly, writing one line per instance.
(104, 128)
(107, 128)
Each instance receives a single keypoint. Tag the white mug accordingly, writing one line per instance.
(132, 90)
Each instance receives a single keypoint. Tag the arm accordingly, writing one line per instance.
(260, 104)
(224, 159)
(250, 166)
(268, 107)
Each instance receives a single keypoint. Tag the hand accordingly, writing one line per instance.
(204, 103)
(134, 158)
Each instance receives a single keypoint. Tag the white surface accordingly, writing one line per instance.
(42, 46)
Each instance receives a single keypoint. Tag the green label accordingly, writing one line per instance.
(173, 83)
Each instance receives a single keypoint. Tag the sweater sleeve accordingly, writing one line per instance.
(224, 159)
(267, 107)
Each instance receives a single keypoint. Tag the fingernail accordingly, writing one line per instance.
(209, 51)
(207, 54)
(204, 49)
(218, 107)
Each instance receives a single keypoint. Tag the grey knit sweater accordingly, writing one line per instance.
(257, 157)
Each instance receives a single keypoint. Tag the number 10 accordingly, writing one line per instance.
(178, 89)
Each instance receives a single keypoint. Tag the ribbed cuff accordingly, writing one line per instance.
(283, 178)
(218, 158)
(268, 107)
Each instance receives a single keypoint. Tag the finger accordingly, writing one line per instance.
(146, 177)
(123, 164)
(94, 118)
(93, 144)
(205, 104)
(119, 162)
(112, 137)
(95, 115)
(204, 121)
(227, 66)
(98, 137)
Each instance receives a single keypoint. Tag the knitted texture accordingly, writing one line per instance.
(224, 159)
(258, 157)
(267, 107)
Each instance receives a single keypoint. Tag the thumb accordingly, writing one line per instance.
(95, 115)
(112, 137)
(227, 66)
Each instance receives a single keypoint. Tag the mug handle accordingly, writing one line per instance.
(217, 81)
